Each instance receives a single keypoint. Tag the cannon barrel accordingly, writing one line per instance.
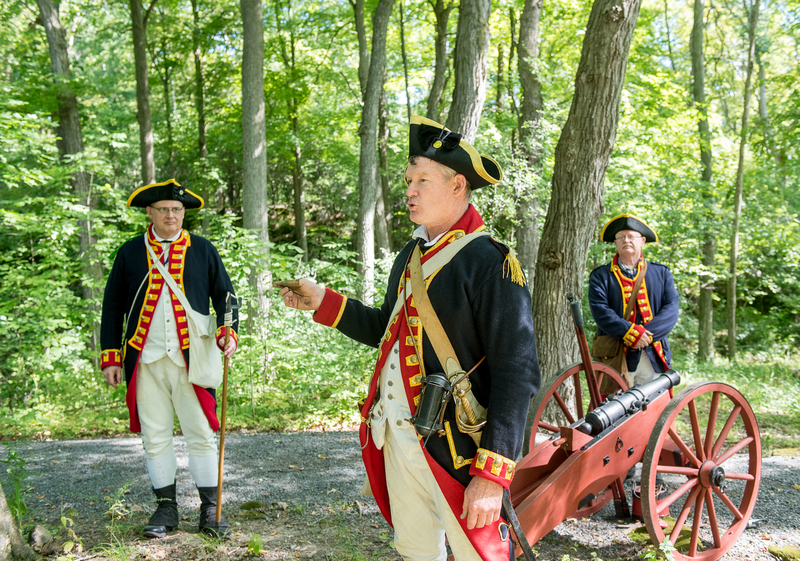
(626, 403)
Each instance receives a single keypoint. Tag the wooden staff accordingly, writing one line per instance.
(226, 364)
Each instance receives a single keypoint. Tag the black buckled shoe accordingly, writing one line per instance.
(208, 514)
(165, 518)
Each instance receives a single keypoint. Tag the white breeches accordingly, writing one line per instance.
(162, 390)
(644, 371)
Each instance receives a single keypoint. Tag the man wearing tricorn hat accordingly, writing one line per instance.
(456, 303)
(655, 311)
(154, 347)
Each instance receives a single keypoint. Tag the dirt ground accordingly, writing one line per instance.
(297, 496)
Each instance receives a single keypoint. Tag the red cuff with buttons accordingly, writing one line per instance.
(493, 467)
(634, 334)
(110, 357)
(221, 337)
(331, 309)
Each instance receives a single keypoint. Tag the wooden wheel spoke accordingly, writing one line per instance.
(600, 377)
(664, 504)
(712, 518)
(739, 476)
(698, 442)
(563, 406)
(734, 450)
(548, 426)
(687, 507)
(682, 445)
(678, 470)
(698, 517)
(728, 503)
(723, 434)
(712, 424)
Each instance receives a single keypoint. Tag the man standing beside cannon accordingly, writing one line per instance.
(457, 312)
(654, 312)
(155, 347)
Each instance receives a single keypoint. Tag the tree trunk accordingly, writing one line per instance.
(165, 80)
(440, 72)
(405, 61)
(737, 204)
(363, 48)
(290, 63)
(500, 80)
(199, 103)
(12, 546)
(368, 176)
(472, 48)
(297, 188)
(199, 96)
(72, 146)
(254, 163)
(763, 113)
(527, 233)
(383, 215)
(705, 343)
(581, 159)
(139, 26)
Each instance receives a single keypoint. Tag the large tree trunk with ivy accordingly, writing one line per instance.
(139, 26)
(705, 320)
(441, 11)
(72, 146)
(12, 546)
(752, 17)
(369, 184)
(469, 67)
(254, 163)
(530, 115)
(581, 159)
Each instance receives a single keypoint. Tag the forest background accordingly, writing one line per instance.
(304, 177)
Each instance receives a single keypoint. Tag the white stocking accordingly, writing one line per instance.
(162, 469)
(204, 470)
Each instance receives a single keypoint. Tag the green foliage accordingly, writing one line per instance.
(303, 375)
(663, 552)
(14, 487)
(254, 545)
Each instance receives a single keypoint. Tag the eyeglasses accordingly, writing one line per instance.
(165, 210)
(627, 238)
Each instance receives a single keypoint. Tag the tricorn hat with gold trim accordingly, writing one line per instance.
(431, 140)
(627, 222)
(169, 190)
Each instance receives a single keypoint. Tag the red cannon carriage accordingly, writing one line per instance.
(704, 443)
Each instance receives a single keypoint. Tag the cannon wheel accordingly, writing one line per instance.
(695, 428)
(582, 403)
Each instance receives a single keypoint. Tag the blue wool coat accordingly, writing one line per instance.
(607, 305)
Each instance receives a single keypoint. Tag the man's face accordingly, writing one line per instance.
(166, 224)
(629, 243)
(433, 201)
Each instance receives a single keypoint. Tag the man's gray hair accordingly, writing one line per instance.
(448, 173)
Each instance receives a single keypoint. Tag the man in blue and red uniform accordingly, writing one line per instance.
(448, 484)
(154, 348)
(655, 313)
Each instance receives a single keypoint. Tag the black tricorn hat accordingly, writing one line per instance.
(169, 190)
(627, 222)
(431, 140)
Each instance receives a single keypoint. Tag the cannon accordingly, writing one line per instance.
(704, 442)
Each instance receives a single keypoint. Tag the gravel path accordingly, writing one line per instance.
(324, 469)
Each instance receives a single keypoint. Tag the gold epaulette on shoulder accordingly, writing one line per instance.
(511, 266)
